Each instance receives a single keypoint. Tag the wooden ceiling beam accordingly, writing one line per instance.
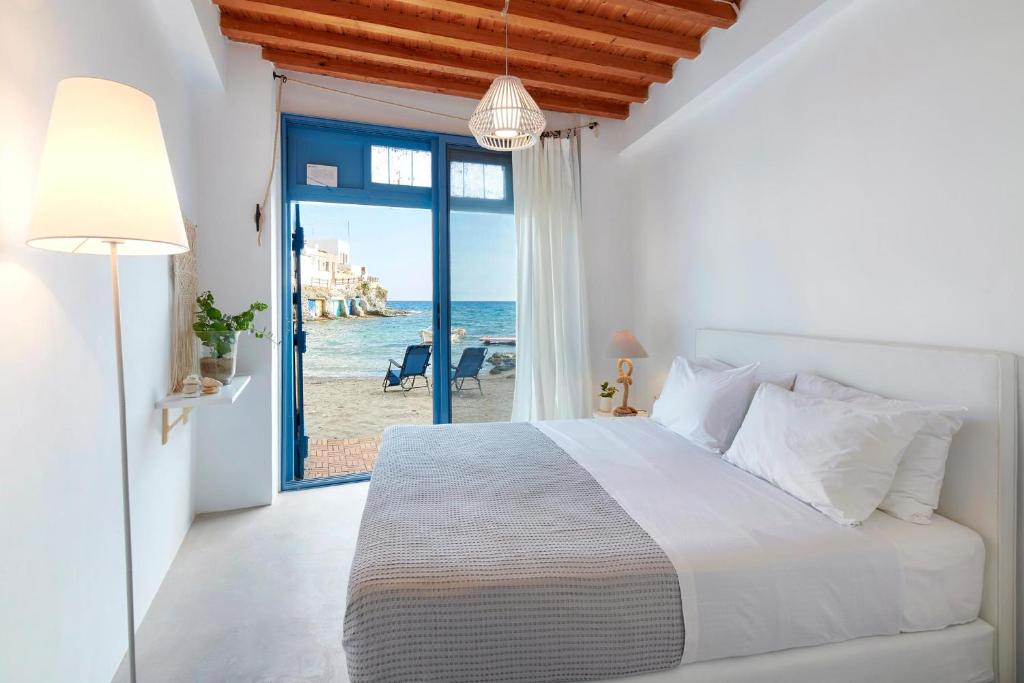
(391, 23)
(293, 38)
(414, 79)
(542, 16)
(705, 12)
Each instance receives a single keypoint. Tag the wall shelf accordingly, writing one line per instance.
(227, 395)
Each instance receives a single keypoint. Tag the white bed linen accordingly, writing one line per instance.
(759, 570)
(943, 567)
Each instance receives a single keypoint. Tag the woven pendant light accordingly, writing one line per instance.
(507, 118)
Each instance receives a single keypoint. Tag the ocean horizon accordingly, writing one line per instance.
(361, 347)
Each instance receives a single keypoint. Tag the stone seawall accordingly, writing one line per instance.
(349, 301)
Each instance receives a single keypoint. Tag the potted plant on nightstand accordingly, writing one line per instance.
(607, 393)
(218, 333)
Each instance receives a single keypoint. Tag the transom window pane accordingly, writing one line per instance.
(494, 182)
(400, 166)
(379, 164)
(474, 180)
(477, 181)
(421, 168)
(458, 179)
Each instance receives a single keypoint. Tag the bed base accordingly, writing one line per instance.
(958, 654)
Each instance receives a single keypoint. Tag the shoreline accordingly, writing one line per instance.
(360, 347)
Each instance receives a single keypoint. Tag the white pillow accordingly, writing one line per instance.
(914, 494)
(782, 379)
(706, 406)
(836, 456)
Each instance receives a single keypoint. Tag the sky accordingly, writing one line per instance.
(395, 245)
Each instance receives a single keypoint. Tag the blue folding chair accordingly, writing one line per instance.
(469, 368)
(403, 375)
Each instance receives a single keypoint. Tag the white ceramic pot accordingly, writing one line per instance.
(605, 405)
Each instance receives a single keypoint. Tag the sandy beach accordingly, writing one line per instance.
(352, 408)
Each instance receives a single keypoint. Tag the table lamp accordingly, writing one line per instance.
(625, 347)
(105, 188)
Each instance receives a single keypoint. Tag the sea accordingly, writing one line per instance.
(361, 347)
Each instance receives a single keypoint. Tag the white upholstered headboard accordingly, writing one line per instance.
(980, 489)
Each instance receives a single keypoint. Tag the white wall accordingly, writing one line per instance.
(62, 599)
(608, 236)
(610, 225)
(237, 451)
(865, 182)
(726, 55)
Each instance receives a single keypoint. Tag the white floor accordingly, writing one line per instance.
(257, 595)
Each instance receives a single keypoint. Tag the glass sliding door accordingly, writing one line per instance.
(482, 265)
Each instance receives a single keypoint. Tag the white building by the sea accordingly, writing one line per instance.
(332, 286)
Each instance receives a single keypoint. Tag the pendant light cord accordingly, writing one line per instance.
(504, 16)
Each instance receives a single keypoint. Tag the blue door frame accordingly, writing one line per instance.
(307, 139)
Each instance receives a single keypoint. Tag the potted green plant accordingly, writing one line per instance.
(607, 393)
(218, 333)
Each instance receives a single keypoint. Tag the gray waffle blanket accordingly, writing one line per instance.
(487, 553)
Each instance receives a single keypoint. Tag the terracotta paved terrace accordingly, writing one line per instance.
(335, 457)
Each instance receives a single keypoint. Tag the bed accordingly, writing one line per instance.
(586, 549)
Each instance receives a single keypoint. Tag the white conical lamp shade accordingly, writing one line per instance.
(104, 175)
(507, 118)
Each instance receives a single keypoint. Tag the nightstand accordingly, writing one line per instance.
(639, 413)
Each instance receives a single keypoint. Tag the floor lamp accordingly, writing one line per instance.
(105, 188)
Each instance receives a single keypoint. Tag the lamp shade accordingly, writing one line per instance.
(624, 345)
(507, 118)
(104, 175)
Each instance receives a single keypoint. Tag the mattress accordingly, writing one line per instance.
(759, 570)
(942, 567)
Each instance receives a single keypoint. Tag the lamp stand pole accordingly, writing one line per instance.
(625, 379)
(125, 501)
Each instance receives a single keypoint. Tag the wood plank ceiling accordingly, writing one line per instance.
(590, 57)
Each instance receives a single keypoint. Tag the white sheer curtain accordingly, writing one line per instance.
(552, 354)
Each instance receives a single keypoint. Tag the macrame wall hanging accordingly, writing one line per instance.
(184, 344)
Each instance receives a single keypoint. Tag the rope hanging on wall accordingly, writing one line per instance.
(261, 209)
(184, 344)
(339, 91)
